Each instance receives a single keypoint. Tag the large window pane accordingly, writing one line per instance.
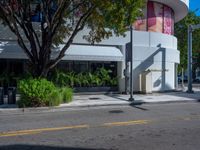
(167, 20)
(155, 17)
(141, 23)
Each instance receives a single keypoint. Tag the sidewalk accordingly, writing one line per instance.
(119, 99)
(88, 100)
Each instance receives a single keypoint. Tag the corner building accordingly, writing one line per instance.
(155, 55)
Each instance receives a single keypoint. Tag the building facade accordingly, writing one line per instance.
(155, 55)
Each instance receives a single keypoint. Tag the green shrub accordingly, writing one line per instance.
(36, 93)
(101, 77)
(55, 98)
(67, 94)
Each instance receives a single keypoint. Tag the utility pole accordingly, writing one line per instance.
(131, 64)
(191, 28)
(131, 99)
(190, 59)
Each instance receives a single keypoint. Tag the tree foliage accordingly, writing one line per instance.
(181, 32)
(64, 19)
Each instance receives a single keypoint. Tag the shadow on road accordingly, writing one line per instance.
(41, 147)
(135, 105)
(138, 105)
(116, 96)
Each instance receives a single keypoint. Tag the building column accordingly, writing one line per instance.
(120, 70)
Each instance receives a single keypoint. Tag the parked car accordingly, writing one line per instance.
(197, 79)
(185, 78)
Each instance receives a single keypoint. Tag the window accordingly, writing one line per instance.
(157, 18)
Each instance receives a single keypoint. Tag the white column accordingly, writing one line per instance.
(120, 70)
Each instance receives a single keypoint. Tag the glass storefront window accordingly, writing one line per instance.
(83, 66)
(141, 23)
(157, 18)
(167, 20)
(87, 66)
(14, 67)
(95, 65)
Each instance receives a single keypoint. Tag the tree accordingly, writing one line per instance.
(181, 29)
(63, 19)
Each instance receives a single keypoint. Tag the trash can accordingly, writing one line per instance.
(1, 96)
(11, 95)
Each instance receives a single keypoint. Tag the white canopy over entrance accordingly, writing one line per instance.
(11, 50)
(93, 53)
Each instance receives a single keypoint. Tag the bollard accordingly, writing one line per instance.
(11, 95)
(1, 96)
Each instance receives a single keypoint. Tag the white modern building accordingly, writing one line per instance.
(155, 54)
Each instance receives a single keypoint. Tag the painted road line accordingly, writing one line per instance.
(37, 131)
(133, 122)
(34, 131)
(18, 134)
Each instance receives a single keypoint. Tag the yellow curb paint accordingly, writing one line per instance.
(134, 122)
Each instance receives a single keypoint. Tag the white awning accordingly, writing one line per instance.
(93, 53)
(11, 50)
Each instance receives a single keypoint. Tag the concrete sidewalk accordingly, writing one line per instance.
(119, 99)
(88, 100)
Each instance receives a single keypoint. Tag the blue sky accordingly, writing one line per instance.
(194, 4)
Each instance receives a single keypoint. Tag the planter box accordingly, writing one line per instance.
(95, 89)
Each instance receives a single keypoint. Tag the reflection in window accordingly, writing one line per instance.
(141, 23)
(158, 18)
(167, 20)
(155, 17)
(95, 65)
(87, 66)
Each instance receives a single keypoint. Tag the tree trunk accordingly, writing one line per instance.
(40, 68)
(39, 71)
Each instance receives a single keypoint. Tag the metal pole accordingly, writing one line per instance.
(190, 59)
(182, 77)
(131, 70)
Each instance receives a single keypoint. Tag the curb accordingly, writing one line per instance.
(7, 111)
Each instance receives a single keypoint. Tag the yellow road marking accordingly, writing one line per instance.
(36, 131)
(18, 134)
(126, 123)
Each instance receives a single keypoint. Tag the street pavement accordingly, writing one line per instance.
(172, 126)
(169, 120)
(97, 99)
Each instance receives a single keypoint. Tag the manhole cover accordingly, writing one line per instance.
(116, 111)
(94, 98)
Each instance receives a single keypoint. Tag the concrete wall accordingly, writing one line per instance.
(157, 53)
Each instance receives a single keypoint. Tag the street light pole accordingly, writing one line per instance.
(190, 59)
(131, 64)
(191, 28)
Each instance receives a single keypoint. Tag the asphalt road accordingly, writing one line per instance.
(174, 126)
